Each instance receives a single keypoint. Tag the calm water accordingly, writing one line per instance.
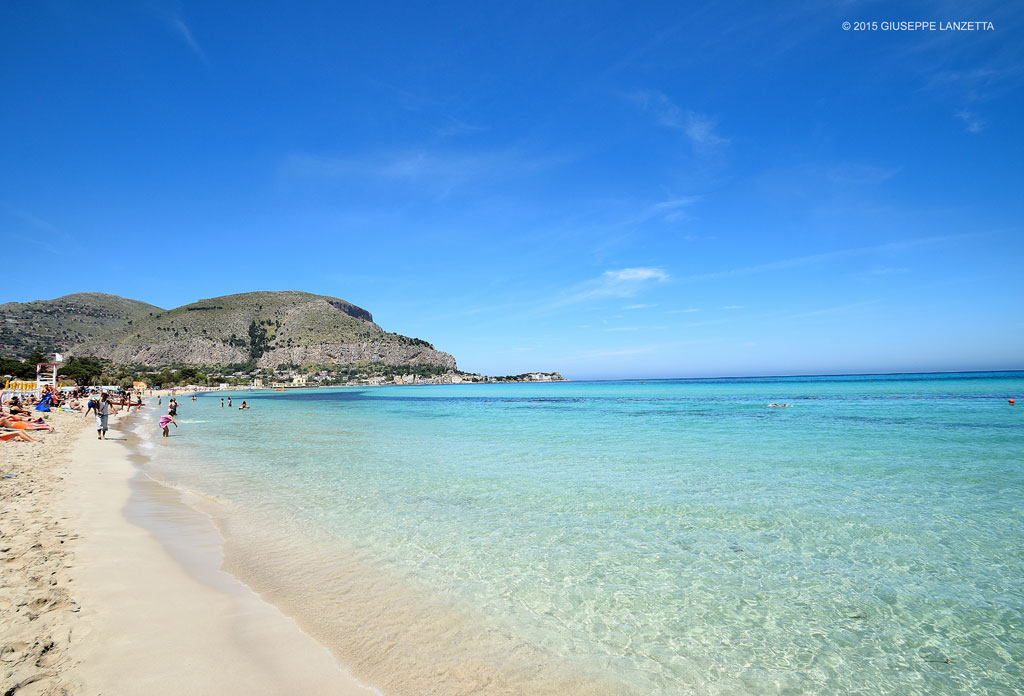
(670, 537)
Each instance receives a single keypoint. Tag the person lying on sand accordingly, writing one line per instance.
(17, 436)
(13, 423)
(27, 418)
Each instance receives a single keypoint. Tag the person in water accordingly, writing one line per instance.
(166, 421)
(244, 406)
(222, 402)
(172, 407)
(229, 402)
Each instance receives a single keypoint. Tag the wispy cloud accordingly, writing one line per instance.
(613, 353)
(879, 271)
(821, 258)
(639, 306)
(689, 310)
(182, 30)
(733, 306)
(972, 122)
(624, 328)
(841, 309)
(699, 128)
(625, 282)
(455, 127)
(429, 169)
(670, 210)
(629, 275)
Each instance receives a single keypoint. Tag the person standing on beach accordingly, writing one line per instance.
(102, 414)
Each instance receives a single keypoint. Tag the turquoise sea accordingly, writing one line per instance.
(650, 537)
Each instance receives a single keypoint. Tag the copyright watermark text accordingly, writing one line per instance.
(934, 25)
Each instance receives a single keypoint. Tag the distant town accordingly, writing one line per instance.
(328, 378)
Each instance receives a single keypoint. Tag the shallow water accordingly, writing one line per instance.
(675, 536)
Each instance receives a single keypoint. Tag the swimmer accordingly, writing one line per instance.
(244, 406)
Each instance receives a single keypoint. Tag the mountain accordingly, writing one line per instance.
(270, 328)
(54, 326)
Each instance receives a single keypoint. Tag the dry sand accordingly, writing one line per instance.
(110, 585)
(38, 613)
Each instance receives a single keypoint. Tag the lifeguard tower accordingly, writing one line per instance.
(46, 375)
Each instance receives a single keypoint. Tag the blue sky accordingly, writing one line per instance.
(606, 189)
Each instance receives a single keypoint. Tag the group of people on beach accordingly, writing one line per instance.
(26, 414)
(103, 405)
(22, 411)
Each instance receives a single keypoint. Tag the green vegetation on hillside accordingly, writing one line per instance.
(55, 326)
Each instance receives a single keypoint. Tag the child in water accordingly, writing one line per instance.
(165, 421)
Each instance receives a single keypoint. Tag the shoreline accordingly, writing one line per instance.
(135, 601)
(155, 599)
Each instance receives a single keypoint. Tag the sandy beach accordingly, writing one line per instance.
(94, 600)
(39, 616)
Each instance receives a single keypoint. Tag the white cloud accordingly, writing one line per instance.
(627, 275)
(625, 282)
(689, 310)
(639, 306)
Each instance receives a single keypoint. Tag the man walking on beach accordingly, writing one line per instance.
(102, 414)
